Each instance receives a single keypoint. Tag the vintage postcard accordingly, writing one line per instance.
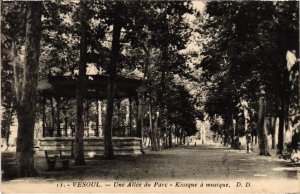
(150, 96)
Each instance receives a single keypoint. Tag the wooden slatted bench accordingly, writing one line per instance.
(55, 156)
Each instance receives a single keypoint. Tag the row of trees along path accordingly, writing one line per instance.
(240, 51)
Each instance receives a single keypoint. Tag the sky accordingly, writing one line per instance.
(199, 5)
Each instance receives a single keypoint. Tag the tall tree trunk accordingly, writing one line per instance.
(272, 121)
(58, 117)
(44, 115)
(281, 129)
(262, 134)
(152, 128)
(233, 130)
(81, 90)
(170, 137)
(97, 119)
(27, 96)
(245, 119)
(52, 114)
(286, 117)
(139, 116)
(7, 133)
(130, 117)
(147, 64)
(237, 133)
(118, 118)
(127, 119)
(272, 125)
(66, 126)
(139, 119)
(100, 130)
(147, 73)
(87, 118)
(156, 134)
(158, 102)
(181, 136)
(8, 114)
(108, 147)
(226, 136)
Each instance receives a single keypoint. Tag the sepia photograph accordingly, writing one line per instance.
(150, 96)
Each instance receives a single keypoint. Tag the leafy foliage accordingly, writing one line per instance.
(246, 52)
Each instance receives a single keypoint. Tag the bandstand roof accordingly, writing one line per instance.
(65, 86)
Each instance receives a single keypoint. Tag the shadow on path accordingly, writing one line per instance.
(200, 162)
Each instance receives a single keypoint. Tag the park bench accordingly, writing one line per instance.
(55, 156)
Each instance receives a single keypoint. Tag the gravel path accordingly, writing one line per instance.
(201, 162)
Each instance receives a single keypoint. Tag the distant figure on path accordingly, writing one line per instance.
(248, 141)
(295, 140)
(295, 156)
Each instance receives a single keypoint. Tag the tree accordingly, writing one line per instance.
(26, 91)
(180, 112)
(261, 129)
(12, 41)
(60, 38)
(112, 71)
(7, 94)
(81, 90)
(135, 28)
(248, 46)
(7, 120)
(158, 31)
